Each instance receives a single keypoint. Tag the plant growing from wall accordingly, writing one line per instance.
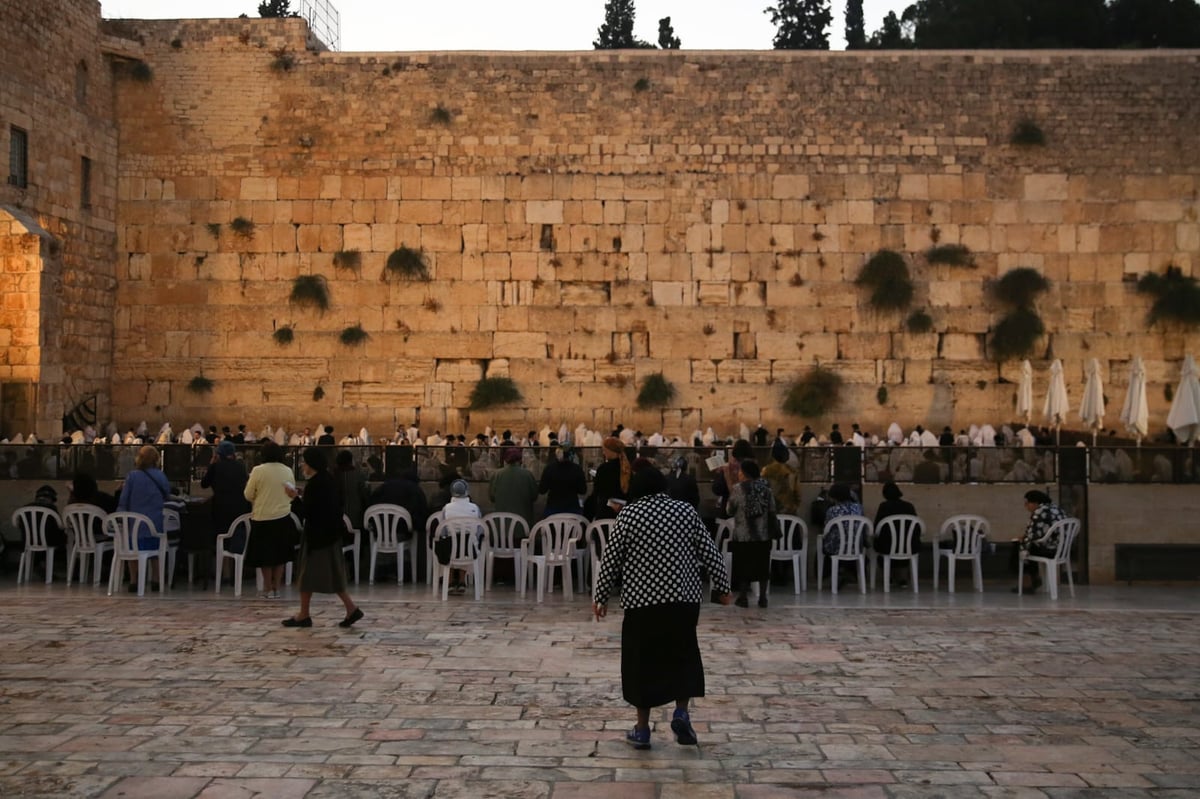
(284, 335)
(813, 395)
(243, 227)
(310, 291)
(657, 392)
(1015, 335)
(950, 254)
(347, 259)
(492, 391)
(214, 229)
(1020, 287)
(1176, 297)
(408, 263)
(881, 395)
(641, 85)
(283, 61)
(1027, 133)
(200, 385)
(318, 394)
(918, 322)
(441, 115)
(353, 336)
(886, 275)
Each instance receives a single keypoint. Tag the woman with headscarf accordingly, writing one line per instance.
(227, 477)
(729, 475)
(272, 532)
(750, 505)
(322, 566)
(656, 550)
(611, 484)
(895, 505)
(681, 485)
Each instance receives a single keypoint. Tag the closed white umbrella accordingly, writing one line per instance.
(1025, 392)
(1184, 416)
(1057, 404)
(1091, 407)
(1135, 413)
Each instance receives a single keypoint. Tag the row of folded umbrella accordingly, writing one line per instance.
(1183, 419)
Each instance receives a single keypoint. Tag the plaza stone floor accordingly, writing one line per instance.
(964, 695)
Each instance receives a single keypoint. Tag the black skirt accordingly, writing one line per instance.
(272, 542)
(751, 562)
(660, 658)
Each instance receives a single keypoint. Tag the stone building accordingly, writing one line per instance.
(583, 220)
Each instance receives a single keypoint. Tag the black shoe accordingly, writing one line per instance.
(292, 621)
(355, 615)
(762, 601)
(742, 601)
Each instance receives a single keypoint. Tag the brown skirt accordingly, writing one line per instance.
(322, 571)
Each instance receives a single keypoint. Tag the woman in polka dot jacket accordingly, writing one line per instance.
(657, 548)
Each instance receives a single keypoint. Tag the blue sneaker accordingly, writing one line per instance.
(638, 738)
(681, 725)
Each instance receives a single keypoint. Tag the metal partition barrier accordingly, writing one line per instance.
(324, 21)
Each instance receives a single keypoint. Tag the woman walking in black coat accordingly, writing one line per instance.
(322, 565)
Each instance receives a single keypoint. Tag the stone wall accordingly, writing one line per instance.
(56, 256)
(592, 218)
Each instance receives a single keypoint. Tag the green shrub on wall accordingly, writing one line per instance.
(918, 322)
(408, 263)
(1020, 287)
(284, 335)
(492, 391)
(657, 392)
(950, 254)
(886, 275)
(1176, 297)
(813, 395)
(1016, 334)
(310, 291)
(347, 259)
(353, 336)
(200, 385)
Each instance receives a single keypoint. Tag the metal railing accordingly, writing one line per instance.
(324, 21)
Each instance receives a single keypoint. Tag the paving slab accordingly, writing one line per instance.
(191, 695)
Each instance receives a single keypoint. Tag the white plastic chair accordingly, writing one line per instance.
(852, 531)
(355, 546)
(467, 544)
(505, 532)
(557, 534)
(597, 534)
(173, 524)
(124, 527)
(431, 526)
(785, 548)
(239, 558)
(580, 557)
(723, 538)
(81, 519)
(902, 529)
(1067, 529)
(966, 534)
(383, 524)
(33, 520)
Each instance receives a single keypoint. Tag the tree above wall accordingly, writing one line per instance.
(276, 8)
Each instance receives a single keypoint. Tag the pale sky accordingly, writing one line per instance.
(403, 25)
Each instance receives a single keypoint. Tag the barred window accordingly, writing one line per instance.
(18, 157)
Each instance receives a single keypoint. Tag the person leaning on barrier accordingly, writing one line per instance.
(656, 550)
(1043, 513)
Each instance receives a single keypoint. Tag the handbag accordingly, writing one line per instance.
(442, 548)
(774, 528)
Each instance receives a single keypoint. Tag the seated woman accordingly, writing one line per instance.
(894, 505)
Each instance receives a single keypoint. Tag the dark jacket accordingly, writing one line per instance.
(683, 487)
(227, 479)
(323, 526)
(893, 507)
(563, 482)
(405, 492)
(606, 486)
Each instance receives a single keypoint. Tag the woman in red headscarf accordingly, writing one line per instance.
(611, 481)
